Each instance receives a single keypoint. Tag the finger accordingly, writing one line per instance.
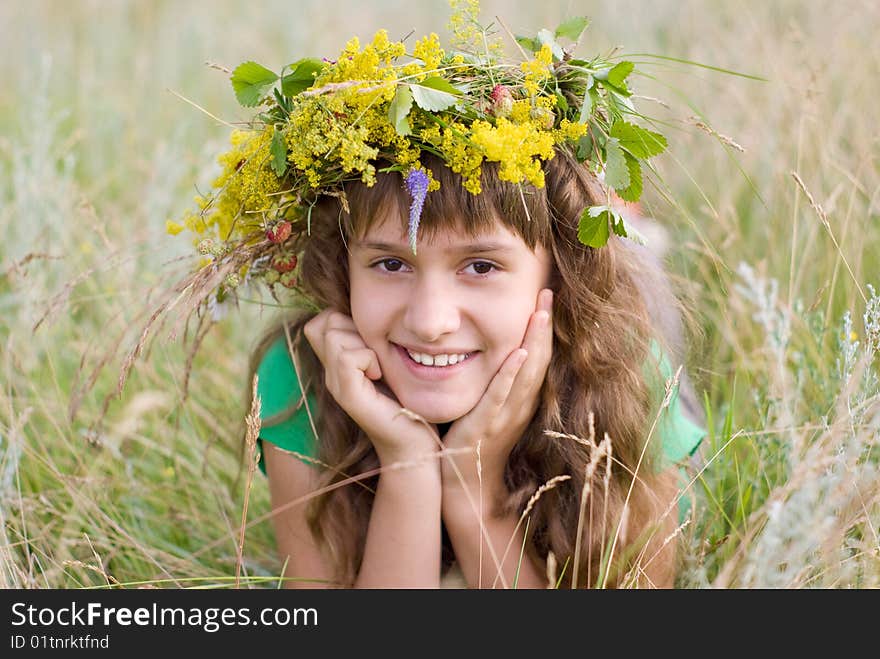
(314, 332)
(342, 339)
(545, 300)
(318, 332)
(540, 322)
(499, 389)
(339, 320)
(363, 360)
(341, 342)
(538, 340)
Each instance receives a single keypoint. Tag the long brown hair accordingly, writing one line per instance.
(609, 304)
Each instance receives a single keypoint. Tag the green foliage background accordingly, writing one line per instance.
(97, 150)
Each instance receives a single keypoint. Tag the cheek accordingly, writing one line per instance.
(510, 325)
(372, 321)
(363, 304)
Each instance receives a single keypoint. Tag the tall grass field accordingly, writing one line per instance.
(111, 117)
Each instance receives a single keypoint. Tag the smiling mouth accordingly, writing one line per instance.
(408, 356)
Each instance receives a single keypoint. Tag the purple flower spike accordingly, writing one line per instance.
(417, 185)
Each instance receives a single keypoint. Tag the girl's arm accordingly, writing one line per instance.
(463, 525)
(403, 540)
(290, 479)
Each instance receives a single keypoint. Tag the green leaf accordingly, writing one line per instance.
(613, 79)
(301, 77)
(639, 142)
(616, 171)
(617, 75)
(399, 109)
(283, 104)
(593, 226)
(529, 45)
(251, 82)
(585, 147)
(634, 190)
(624, 230)
(573, 27)
(440, 84)
(593, 96)
(561, 103)
(618, 226)
(278, 151)
(434, 94)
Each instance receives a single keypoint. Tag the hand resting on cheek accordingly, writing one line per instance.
(350, 369)
(500, 418)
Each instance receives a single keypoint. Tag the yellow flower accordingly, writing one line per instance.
(569, 131)
(173, 228)
(537, 70)
(467, 34)
(429, 51)
(518, 148)
(246, 184)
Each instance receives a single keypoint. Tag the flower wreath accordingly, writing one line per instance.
(324, 122)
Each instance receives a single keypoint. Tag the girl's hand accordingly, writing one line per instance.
(349, 370)
(500, 418)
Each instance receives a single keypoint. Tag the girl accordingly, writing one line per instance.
(490, 411)
(481, 390)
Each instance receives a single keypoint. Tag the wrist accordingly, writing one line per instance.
(460, 472)
(408, 458)
(461, 490)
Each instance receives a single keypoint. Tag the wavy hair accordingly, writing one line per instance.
(609, 304)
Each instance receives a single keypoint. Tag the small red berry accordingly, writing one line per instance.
(288, 279)
(279, 233)
(284, 263)
(502, 101)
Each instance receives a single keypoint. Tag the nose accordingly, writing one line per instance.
(432, 310)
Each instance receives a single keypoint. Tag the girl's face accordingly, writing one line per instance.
(458, 296)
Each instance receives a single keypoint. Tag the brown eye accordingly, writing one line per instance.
(391, 265)
(483, 267)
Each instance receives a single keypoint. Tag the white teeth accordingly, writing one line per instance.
(438, 360)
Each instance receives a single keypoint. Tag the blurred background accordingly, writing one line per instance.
(770, 194)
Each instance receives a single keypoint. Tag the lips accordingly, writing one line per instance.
(433, 372)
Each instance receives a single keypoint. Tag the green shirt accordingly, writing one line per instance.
(279, 391)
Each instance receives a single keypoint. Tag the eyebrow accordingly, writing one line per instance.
(475, 248)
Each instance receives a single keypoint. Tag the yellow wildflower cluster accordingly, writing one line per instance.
(350, 125)
(462, 155)
(517, 147)
(247, 183)
(569, 131)
(467, 33)
(318, 135)
(362, 79)
(357, 64)
(429, 51)
(538, 69)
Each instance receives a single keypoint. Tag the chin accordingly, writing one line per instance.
(437, 413)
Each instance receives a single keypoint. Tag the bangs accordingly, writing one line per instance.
(522, 209)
